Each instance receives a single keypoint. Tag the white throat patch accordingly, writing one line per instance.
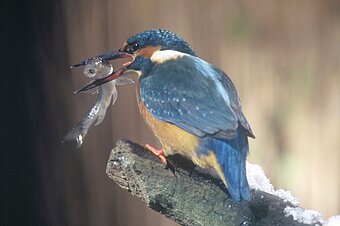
(159, 57)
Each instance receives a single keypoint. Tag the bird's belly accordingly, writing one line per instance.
(173, 138)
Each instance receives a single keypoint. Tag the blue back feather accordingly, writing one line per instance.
(231, 155)
(184, 92)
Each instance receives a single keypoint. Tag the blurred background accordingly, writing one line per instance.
(283, 56)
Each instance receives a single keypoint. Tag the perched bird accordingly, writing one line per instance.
(191, 106)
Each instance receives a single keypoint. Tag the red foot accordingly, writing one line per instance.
(158, 153)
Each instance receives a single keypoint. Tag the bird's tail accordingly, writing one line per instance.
(231, 156)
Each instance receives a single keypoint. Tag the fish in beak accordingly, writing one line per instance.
(111, 55)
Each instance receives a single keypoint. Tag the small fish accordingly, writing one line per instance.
(107, 93)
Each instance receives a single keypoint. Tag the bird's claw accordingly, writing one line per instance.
(158, 153)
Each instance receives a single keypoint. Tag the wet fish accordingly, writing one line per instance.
(107, 93)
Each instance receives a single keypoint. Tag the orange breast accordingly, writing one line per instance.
(173, 138)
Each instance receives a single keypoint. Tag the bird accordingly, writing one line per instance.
(191, 106)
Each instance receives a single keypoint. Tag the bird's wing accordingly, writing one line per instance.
(194, 95)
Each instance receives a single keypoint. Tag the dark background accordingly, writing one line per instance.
(283, 56)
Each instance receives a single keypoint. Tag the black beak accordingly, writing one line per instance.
(104, 80)
(111, 55)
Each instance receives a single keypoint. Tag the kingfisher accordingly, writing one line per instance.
(191, 106)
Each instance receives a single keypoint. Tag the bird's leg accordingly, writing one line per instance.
(158, 153)
(161, 156)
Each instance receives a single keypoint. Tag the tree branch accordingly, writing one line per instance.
(189, 197)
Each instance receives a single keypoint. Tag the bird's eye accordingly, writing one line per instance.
(133, 47)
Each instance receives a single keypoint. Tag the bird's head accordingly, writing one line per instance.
(140, 48)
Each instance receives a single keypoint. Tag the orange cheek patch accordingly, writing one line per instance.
(147, 52)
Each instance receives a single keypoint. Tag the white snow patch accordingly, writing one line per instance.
(303, 215)
(258, 181)
(287, 196)
(333, 221)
